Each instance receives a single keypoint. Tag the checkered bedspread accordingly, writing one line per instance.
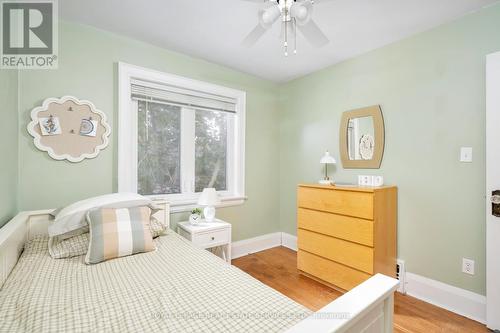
(177, 288)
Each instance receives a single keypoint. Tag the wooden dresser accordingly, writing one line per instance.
(346, 234)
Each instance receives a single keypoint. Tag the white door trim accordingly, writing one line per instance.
(492, 183)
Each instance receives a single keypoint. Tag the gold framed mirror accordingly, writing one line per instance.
(362, 138)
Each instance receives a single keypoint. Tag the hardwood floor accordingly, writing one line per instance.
(277, 268)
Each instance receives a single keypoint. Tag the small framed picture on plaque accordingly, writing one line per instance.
(88, 127)
(50, 126)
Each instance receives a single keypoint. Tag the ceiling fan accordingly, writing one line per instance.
(293, 14)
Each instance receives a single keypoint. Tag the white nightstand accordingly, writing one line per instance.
(215, 236)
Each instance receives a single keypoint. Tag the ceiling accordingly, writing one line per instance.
(214, 29)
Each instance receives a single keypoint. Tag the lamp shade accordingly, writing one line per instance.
(209, 197)
(327, 159)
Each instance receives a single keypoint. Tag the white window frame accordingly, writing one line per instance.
(127, 136)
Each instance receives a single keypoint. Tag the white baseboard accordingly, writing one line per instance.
(289, 241)
(251, 245)
(460, 301)
(457, 300)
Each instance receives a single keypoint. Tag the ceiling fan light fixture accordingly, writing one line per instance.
(295, 15)
(299, 11)
(269, 15)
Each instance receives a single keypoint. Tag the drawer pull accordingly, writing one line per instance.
(213, 237)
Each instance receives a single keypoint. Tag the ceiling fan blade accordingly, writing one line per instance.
(313, 33)
(254, 35)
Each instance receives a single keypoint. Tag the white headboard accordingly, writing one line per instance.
(26, 225)
(164, 214)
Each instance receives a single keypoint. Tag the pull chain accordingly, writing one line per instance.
(294, 36)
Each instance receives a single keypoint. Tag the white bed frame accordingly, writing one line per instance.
(367, 308)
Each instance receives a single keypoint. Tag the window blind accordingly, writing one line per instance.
(152, 92)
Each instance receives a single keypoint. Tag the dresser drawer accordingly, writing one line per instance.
(351, 203)
(349, 228)
(350, 254)
(211, 239)
(330, 271)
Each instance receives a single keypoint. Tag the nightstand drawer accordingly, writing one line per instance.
(212, 238)
(216, 235)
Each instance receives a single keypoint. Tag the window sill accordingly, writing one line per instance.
(179, 206)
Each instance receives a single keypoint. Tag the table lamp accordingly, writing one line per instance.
(209, 198)
(327, 159)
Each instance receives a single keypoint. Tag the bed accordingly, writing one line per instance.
(177, 288)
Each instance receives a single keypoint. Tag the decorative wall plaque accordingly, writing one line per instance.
(69, 129)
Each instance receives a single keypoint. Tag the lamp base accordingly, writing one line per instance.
(209, 213)
(326, 182)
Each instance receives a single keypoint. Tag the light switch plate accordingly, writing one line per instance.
(466, 154)
(377, 181)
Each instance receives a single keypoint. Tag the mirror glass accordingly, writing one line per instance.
(361, 138)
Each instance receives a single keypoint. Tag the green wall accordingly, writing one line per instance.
(88, 70)
(8, 148)
(431, 88)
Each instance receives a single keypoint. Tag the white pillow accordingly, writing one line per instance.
(71, 219)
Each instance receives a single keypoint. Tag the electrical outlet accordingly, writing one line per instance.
(468, 266)
(365, 180)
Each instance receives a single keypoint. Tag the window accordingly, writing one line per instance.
(178, 136)
(211, 135)
(204, 134)
(159, 148)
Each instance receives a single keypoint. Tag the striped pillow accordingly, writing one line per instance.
(118, 232)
